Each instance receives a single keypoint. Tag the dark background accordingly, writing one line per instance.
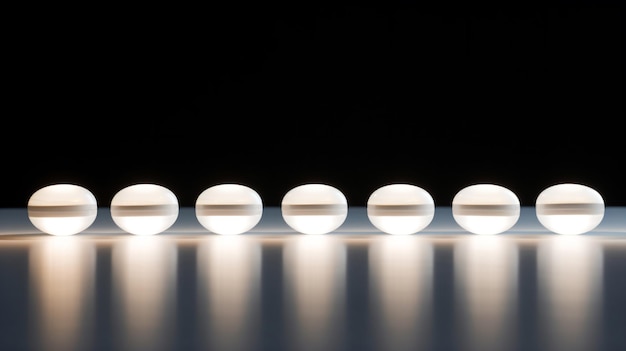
(524, 95)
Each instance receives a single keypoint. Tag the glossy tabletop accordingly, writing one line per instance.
(275, 289)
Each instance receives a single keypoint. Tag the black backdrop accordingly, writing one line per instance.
(524, 96)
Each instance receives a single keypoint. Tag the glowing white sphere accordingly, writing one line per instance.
(314, 208)
(486, 209)
(62, 209)
(400, 209)
(144, 209)
(229, 209)
(569, 208)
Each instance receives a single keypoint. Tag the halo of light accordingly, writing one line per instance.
(486, 209)
(569, 208)
(62, 209)
(229, 209)
(400, 209)
(144, 209)
(314, 208)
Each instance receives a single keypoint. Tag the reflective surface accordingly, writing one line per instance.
(356, 290)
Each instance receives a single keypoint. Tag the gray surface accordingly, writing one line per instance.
(15, 221)
(272, 289)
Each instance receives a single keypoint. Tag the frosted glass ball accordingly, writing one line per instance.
(569, 209)
(144, 209)
(314, 208)
(400, 209)
(229, 209)
(485, 209)
(62, 209)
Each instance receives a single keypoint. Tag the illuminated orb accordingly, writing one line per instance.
(485, 209)
(144, 209)
(400, 209)
(314, 208)
(229, 209)
(62, 209)
(569, 209)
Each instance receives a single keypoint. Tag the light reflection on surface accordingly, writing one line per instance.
(570, 276)
(314, 273)
(229, 272)
(271, 291)
(62, 274)
(144, 278)
(401, 273)
(486, 276)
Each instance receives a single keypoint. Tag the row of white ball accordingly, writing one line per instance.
(147, 209)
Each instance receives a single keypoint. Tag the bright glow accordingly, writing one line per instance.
(400, 209)
(570, 270)
(144, 209)
(486, 209)
(229, 209)
(143, 291)
(315, 290)
(569, 209)
(62, 270)
(400, 288)
(314, 208)
(62, 209)
(486, 284)
(229, 277)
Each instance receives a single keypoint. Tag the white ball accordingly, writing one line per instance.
(400, 209)
(62, 209)
(144, 209)
(229, 209)
(314, 208)
(486, 209)
(569, 209)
